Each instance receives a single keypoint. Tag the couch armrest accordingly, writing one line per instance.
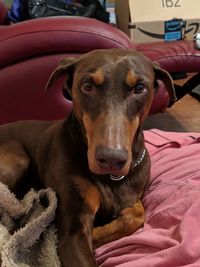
(177, 56)
(52, 35)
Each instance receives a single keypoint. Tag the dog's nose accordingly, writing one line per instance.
(111, 159)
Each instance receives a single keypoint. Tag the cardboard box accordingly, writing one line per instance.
(158, 20)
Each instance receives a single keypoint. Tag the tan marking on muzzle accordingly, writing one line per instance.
(98, 77)
(131, 78)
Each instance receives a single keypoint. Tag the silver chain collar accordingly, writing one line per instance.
(119, 178)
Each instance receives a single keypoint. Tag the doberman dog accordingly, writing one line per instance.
(95, 159)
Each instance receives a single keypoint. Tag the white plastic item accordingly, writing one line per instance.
(198, 40)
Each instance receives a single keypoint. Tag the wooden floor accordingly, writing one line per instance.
(184, 116)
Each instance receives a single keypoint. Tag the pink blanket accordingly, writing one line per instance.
(171, 233)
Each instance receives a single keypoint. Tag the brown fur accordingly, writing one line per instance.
(101, 137)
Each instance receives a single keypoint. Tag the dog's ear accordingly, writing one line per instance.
(164, 76)
(65, 67)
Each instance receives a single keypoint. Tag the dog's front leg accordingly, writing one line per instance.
(75, 222)
(75, 246)
(129, 221)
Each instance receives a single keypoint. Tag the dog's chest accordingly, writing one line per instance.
(114, 199)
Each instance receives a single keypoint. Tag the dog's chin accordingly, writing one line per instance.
(109, 171)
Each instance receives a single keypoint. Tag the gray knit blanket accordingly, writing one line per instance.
(27, 235)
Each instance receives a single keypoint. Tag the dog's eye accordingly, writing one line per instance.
(139, 88)
(87, 86)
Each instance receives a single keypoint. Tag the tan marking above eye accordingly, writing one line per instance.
(98, 77)
(131, 78)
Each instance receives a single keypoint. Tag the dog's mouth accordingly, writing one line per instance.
(110, 171)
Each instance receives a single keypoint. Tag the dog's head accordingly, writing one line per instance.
(112, 91)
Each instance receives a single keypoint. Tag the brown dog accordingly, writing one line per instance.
(95, 159)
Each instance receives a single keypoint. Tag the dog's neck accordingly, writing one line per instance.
(138, 147)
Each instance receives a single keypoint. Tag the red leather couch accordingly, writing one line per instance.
(30, 50)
